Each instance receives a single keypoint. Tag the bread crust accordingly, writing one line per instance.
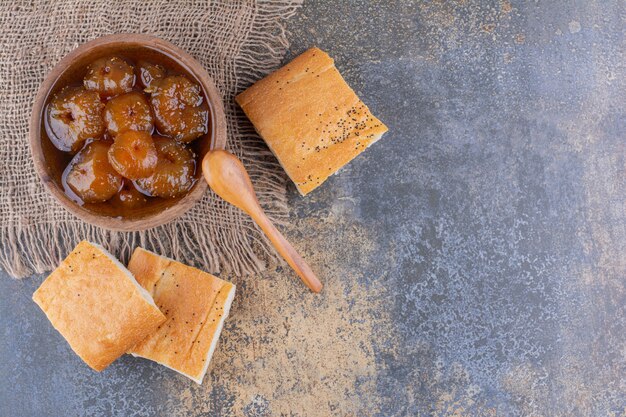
(93, 301)
(310, 118)
(195, 303)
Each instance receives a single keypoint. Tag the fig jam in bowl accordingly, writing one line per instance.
(119, 128)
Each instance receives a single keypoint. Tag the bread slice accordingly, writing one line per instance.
(97, 306)
(310, 118)
(195, 304)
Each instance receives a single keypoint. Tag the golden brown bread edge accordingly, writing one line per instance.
(97, 306)
(310, 118)
(196, 305)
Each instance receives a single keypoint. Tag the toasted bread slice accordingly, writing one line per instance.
(97, 306)
(195, 303)
(310, 118)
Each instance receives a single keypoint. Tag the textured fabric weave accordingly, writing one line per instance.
(236, 41)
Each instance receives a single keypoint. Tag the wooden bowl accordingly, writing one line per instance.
(79, 58)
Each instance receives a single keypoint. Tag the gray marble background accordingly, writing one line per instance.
(474, 259)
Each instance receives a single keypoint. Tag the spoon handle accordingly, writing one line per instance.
(287, 251)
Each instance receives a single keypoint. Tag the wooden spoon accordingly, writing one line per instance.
(227, 176)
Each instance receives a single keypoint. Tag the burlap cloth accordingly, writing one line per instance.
(236, 41)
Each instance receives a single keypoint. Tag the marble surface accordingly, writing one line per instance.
(474, 258)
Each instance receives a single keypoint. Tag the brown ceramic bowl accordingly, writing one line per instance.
(48, 162)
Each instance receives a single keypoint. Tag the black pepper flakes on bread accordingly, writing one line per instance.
(313, 122)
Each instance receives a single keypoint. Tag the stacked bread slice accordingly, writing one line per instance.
(195, 304)
(159, 309)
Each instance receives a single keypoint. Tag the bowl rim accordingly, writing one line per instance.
(217, 134)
